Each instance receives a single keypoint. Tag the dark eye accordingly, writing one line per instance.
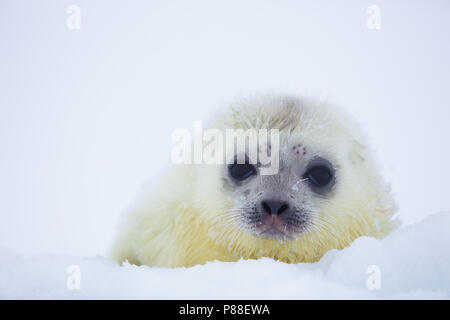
(320, 174)
(241, 172)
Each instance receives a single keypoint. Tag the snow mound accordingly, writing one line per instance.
(411, 263)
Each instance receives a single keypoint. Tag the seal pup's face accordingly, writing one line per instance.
(284, 205)
(292, 202)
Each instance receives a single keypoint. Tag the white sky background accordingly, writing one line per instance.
(86, 116)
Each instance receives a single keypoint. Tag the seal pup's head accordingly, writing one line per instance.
(325, 193)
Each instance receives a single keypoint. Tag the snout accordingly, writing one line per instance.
(275, 218)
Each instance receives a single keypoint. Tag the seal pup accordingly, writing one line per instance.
(326, 193)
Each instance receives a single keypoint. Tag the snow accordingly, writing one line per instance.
(413, 263)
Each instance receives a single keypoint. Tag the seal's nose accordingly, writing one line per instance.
(275, 207)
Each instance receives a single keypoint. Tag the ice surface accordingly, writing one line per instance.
(414, 262)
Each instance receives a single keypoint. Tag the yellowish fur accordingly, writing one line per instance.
(184, 220)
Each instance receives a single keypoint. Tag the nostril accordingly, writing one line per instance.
(283, 208)
(266, 207)
(274, 207)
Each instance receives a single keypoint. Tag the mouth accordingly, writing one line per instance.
(273, 227)
(281, 227)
